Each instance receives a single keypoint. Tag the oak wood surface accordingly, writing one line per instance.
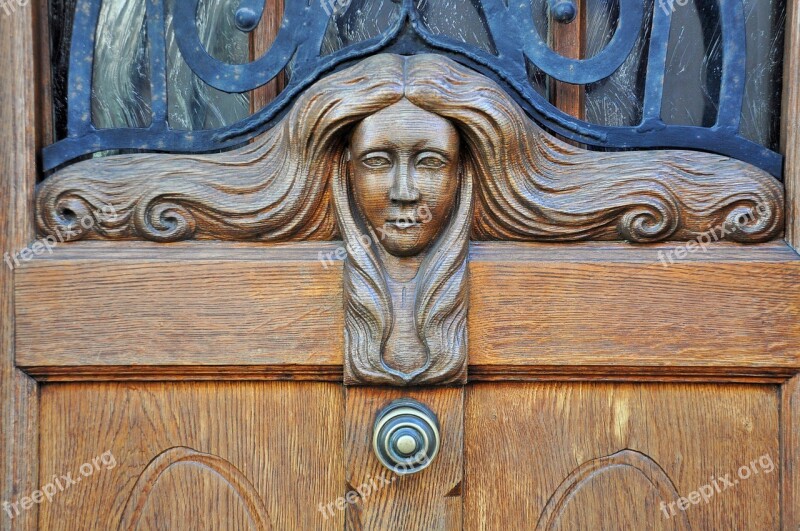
(225, 306)
(537, 312)
(790, 122)
(604, 456)
(193, 455)
(429, 499)
(790, 452)
(711, 310)
(18, 394)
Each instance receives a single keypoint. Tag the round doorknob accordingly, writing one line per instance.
(406, 436)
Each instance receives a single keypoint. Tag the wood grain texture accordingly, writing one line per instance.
(429, 499)
(568, 40)
(190, 456)
(790, 455)
(154, 496)
(790, 122)
(18, 394)
(535, 310)
(261, 41)
(538, 311)
(275, 310)
(529, 185)
(619, 450)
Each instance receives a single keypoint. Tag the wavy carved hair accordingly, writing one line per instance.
(528, 185)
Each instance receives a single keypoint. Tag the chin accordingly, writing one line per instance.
(405, 250)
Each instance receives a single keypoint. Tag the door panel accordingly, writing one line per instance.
(592, 456)
(218, 453)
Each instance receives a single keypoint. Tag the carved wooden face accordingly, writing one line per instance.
(404, 172)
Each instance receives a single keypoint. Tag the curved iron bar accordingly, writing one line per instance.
(515, 40)
(581, 71)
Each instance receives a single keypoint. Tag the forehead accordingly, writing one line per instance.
(404, 125)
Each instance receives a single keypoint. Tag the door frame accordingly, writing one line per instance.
(22, 104)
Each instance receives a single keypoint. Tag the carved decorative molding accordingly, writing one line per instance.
(631, 469)
(406, 158)
(228, 476)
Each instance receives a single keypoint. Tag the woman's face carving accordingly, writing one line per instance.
(404, 168)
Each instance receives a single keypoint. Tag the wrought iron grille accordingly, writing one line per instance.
(515, 45)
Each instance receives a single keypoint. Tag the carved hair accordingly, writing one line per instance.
(529, 185)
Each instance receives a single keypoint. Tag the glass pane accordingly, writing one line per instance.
(694, 65)
(191, 103)
(62, 12)
(359, 21)
(121, 94)
(121, 70)
(458, 19)
(619, 99)
(538, 79)
(761, 112)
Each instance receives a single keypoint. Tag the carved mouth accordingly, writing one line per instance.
(402, 223)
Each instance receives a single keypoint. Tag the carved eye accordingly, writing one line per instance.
(431, 160)
(376, 160)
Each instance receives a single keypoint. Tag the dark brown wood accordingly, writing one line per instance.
(260, 43)
(569, 40)
(429, 499)
(790, 455)
(193, 455)
(538, 311)
(18, 393)
(404, 207)
(605, 456)
(790, 122)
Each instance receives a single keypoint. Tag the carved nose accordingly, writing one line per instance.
(403, 188)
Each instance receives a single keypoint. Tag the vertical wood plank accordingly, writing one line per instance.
(18, 403)
(429, 499)
(790, 122)
(45, 129)
(262, 39)
(568, 40)
(790, 453)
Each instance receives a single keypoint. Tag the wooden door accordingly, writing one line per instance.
(217, 345)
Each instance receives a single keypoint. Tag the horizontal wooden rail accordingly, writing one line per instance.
(142, 311)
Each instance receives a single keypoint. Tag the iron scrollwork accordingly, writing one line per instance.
(515, 45)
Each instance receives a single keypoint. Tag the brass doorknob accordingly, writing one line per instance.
(405, 436)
